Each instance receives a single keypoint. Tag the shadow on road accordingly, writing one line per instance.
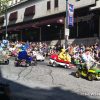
(21, 92)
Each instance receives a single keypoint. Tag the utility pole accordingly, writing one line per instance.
(69, 20)
(40, 36)
(66, 26)
(77, 25)
(6, 36)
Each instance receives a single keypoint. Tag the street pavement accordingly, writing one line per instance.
(43, 82)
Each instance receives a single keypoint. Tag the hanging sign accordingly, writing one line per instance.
(70, 14)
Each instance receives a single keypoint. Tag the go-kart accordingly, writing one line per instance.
(3, 60)
(24, 60)
(54, 62)
(91, 74)
(39, 56)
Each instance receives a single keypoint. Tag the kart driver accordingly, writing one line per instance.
(87, 58)
(63, 55)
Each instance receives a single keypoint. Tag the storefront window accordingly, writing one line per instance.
(13, 16)
(48, 5)
(29, 11)
(56, 4)
(77, 0)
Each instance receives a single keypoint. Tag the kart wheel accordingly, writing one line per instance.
(16, 59)
(77, 74)
(27, 64)
(33, 63)
(16, 64)
(90, 77)
(65, 66)
(7, 62)
(54, 64)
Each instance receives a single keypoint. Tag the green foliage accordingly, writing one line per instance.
(3, 5)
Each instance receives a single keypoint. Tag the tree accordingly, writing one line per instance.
(4, 4)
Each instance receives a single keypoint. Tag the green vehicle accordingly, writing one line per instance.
(91, 74)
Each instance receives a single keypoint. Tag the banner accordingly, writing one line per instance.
(70, 14)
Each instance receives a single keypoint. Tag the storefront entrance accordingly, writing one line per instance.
(86, 24)
(42, 30)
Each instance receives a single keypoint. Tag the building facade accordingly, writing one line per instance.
(14, 2)
(86, 19)
(44, 20)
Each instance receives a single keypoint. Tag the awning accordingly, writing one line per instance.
(30, 11)
(36, 24)
(50, 21)
(13, 16)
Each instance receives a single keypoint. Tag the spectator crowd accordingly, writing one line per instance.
(74, 50)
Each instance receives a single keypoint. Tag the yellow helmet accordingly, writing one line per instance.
(63, 50)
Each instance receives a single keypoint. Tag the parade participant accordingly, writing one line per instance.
(63, 55)
(6, 53)
(76, 58)
(88, 59)
(24, 54)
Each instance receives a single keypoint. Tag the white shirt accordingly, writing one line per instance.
(87, 58)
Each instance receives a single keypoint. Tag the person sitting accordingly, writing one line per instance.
(88, 59)
(76, 58)
(63, 55)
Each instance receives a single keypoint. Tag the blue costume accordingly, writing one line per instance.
(23, 55)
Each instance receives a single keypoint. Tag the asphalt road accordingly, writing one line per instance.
(43, 82)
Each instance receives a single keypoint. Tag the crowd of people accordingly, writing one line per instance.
(81, 53)
(74, 52)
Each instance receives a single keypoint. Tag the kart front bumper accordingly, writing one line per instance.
(98, 78)
(60, 63)
(51, 61)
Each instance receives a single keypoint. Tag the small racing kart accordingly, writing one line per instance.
(39, 56)
(24, 60)
(4, 60)
(54, 62)
(91, 74)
